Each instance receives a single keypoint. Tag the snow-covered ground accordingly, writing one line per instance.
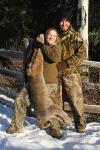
(34, 138)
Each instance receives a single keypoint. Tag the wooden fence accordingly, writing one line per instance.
(19, 76)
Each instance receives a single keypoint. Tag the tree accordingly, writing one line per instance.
(82, 18)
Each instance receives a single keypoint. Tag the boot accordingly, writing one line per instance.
(55, 129)
(80, 124)
(13, 129)
(80, 129)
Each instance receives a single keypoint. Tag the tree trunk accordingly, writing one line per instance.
(82, 20)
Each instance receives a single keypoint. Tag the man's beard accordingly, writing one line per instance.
(64, 29)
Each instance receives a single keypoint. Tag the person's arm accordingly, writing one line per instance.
(79, 47)
(53, 53)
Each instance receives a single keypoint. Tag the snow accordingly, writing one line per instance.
(33, 138)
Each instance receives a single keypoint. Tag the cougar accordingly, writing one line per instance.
(45, 109)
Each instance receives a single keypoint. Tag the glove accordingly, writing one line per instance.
(40, 39)
(62, 66)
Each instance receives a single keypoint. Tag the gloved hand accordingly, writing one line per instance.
(62, 65)
(40, 39)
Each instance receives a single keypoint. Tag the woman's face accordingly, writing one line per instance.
(51, 37)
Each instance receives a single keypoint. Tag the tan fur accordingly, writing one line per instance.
(45, 108)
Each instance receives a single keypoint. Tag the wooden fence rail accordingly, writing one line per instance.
(90, 63)
(11, 73)
(95, 109)
(11, 54)
(9, 93)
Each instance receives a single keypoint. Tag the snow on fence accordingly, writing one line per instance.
(86, 73)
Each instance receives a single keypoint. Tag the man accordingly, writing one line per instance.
(75, 52)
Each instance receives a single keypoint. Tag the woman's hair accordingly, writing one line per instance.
(48, 30)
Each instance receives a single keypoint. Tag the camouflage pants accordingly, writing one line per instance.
(22, 102)
(55, 91)
(19, 110)
(72, 87)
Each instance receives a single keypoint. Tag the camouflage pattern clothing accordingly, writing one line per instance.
(74, 54)
(55, 91)
(73, 88)
(19, 112)
(75, 49)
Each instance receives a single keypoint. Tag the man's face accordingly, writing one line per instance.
(51, 37)
(64, 24)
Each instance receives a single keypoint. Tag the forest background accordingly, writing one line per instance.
(22, 18)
